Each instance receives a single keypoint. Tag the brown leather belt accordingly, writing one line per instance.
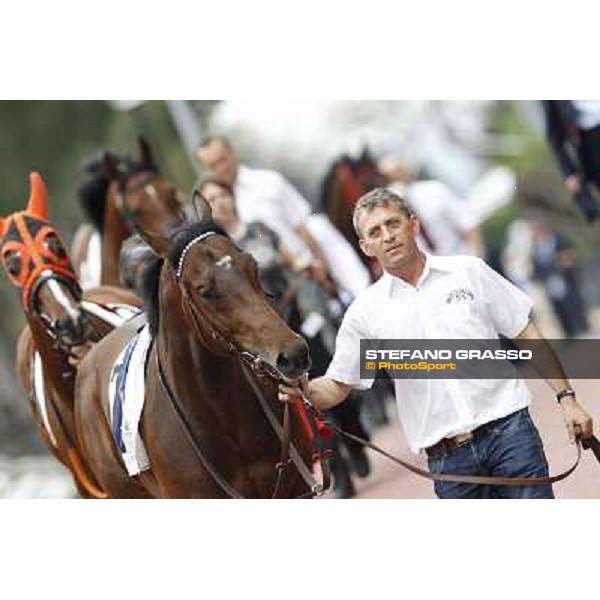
(461, 439)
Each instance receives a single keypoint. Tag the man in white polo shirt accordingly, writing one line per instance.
(476, 426)
(266, 196)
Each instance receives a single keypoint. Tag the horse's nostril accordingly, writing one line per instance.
(294, 360)
(283, 360)
(64, 324)
(73, 328)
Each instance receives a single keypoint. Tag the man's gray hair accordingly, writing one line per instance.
(378, 197)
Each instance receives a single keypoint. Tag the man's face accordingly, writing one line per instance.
(220, 161)
(388, 235)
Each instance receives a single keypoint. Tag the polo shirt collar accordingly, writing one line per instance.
(435, 263)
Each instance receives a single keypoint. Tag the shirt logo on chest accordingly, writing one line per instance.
(460, 295)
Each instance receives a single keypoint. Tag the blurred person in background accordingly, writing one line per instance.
(446, 227)
(266, 196)
(304, 305)
(555, 266)
(573, 132)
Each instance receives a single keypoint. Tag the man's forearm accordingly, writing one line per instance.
(310, 241)
(326, 393)
(544, 359)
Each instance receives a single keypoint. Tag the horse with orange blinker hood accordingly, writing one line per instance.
(62, 325)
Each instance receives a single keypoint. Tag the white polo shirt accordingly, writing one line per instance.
(430, 410)
(266, 196)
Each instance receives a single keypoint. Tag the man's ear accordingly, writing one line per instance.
(415, 225)
(366, 247)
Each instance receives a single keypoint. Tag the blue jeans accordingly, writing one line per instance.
(511, 447)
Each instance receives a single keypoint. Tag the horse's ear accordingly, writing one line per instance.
(202, 207)
(146, 157)
(2, 228)
(38, 197)
(109, 166)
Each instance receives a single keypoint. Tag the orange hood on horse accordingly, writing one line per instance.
(26, 233)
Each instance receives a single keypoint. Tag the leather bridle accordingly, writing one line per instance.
(253, 367)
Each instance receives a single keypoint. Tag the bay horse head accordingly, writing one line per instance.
(226, 304)
(221, 299)
(148, 200)
(37, 264)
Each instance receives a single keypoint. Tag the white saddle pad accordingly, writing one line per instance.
(126, 401)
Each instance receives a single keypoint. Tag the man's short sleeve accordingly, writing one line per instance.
(294, 207)
(509, 307)
(345, 366)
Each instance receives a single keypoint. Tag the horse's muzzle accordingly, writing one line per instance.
(73, 331)
(294, 360)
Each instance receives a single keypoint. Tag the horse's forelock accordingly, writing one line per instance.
(181, 239)
(91, 194)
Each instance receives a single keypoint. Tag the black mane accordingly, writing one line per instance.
(149, 291)
(151, 278)
(91, 193)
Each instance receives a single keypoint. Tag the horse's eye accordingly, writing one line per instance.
(14, 263)
(53, 244)
(208, 291)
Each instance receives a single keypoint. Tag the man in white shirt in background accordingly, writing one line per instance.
(465, 426)
(446, 228)
(266, 196)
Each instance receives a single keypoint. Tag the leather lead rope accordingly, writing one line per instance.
(316, 489)
(592, 443)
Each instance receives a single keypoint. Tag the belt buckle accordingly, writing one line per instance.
(463, 439)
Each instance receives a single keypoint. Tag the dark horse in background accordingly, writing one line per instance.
(97, 243)
(205, 431)
(59, 330)
(345, 182)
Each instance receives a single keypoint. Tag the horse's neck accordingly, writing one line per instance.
(57, 371)
(196, 374)
(115, 233)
